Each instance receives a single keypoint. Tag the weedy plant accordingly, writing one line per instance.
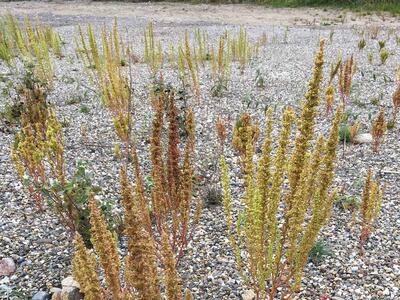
(378, 130)
(38, 155)
(335, 68)
(350, 203)
(31, 44)
(260, 81)
(152, 51)
(346, 72)
(381, 44)
(371, 202)
(271, 251)
(244, 133)
(384, 55)
(141, 276)
(329, 99)
(220, 66)
(187, 60)
(361, 44)
(396, 102)
(370, 57)
(108, 74)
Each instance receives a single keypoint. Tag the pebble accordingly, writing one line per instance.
(41, 296)
(7, 266)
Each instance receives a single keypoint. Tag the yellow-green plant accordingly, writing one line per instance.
(361, 43)
(329, 99)
(201, 38)
(335, 68)
(384, 55)
(152, 51)
(191, 63)
(104, 64)
(370, 208)
(241, 134)
(32, 44)
(276, 249)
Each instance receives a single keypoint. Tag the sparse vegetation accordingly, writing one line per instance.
(120, 135)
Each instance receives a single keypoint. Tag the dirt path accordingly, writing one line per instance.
(207, 13)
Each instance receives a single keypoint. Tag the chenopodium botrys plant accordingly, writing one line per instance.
(370, 208)
(279, 224)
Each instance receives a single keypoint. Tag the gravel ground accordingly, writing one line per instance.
(41, 247)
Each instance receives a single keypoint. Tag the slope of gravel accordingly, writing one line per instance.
(41, 246)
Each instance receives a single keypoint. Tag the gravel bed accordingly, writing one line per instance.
(41, 247)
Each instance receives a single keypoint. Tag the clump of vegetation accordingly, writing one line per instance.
(218, 89)
(378, 130)
(260, 81)
(244, 132)
(84, 109)
(277, 250)
(213, 195)
(318, 252)
(12, 112)
(361, 44)
(348, 132)
(38, 155)
(103, 64)
(384, 55)
(370, 57)
(350, 203)
(381, 44)
(370, 207)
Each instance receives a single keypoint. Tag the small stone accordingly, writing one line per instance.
(69, 282)
(55, 290)
(41, 296)
(363, 138)
(248, 295)
(71, 293)
(7, 266)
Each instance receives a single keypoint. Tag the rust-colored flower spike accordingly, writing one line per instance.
(396, 102)
(105, 246)
(370, 208)
(141, 260)
(221, 131)
(329, 99)
(378, 130)
(345, 79)
(84, 271)
(171, 275)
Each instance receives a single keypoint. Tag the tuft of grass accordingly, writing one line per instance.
(318, 252)
(84, 109)
(384, 55)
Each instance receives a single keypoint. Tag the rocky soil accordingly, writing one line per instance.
(39, 245)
